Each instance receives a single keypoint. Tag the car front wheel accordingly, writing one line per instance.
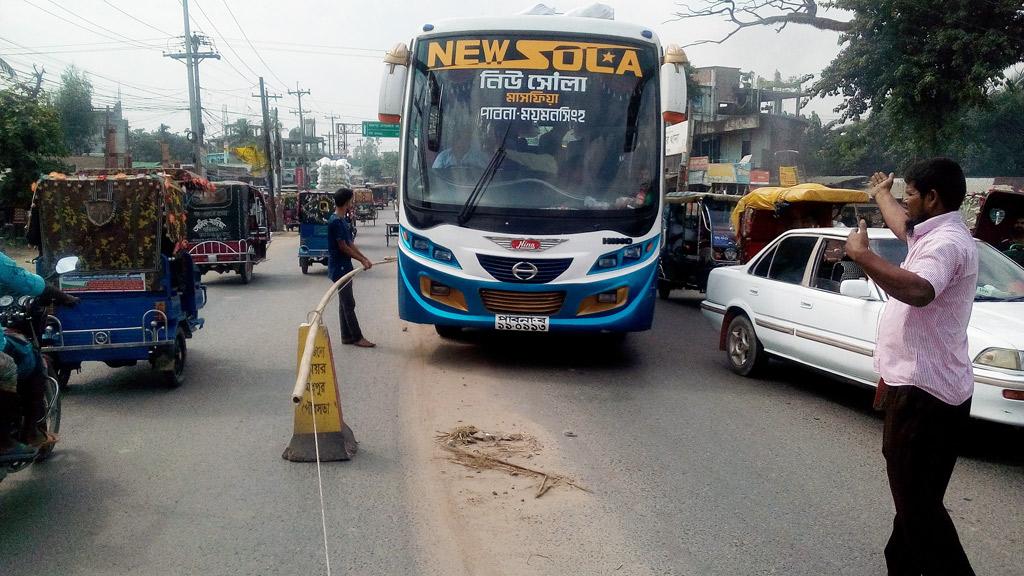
(745, 353)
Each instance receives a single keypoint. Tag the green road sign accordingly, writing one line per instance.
(380, 130)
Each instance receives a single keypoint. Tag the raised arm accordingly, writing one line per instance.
(893, 213)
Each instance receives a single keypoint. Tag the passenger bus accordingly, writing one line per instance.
(530, 192)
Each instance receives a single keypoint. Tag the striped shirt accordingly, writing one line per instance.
(927, 346)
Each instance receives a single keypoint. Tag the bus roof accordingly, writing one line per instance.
(555, 23)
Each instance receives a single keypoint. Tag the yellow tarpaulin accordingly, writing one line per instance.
(768, 198)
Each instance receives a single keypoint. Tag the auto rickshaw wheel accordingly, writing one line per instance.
(245, 271)
(304, 265)
(664, 289)
(53, 395)
(176, 376)
(743, 348)
(63, 375)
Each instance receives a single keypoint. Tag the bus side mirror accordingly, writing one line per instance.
(392, 85)
(673, 85)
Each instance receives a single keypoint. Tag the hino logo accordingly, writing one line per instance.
(524, 271)
(525, 244)
(616, 240)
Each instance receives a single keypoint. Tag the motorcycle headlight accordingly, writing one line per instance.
(1000, 358)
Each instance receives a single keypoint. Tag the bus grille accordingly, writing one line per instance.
(500, 268)
(505, 302)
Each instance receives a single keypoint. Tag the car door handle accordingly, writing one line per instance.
(753, 291)
(807, 305)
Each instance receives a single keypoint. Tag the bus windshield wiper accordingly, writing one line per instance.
(485, 179)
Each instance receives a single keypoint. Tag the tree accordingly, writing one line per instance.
(367, 157)
(146, 146)
(242, 133)
(31, 143)
(74, 102)
(926, 61)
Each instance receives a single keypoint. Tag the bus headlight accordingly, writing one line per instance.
(420, 244)
(442, 254)
(633, 252)
(607, 262)
(449, 296)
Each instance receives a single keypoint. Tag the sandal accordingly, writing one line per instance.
(44, 442)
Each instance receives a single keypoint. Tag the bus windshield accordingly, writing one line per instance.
(533, 126)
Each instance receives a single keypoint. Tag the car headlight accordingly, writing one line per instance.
(999, 358)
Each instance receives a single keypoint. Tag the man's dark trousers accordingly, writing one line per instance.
(920, 441)
(350, 331)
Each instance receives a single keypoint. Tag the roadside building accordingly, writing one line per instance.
(744, 129)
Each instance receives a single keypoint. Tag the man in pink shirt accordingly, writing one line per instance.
(921, 356)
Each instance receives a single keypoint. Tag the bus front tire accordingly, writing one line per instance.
(448, 332)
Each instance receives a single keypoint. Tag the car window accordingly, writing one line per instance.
(761, 269)
(833, 267)
(791, 258)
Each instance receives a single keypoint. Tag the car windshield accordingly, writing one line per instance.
(999, 278)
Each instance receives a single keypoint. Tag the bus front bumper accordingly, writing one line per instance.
(428, 295)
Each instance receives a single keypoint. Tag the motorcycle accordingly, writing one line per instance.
(28, 318)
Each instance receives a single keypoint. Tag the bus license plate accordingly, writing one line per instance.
(521, 323)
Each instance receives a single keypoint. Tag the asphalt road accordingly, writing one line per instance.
(693, 470)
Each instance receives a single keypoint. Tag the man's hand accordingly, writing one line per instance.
(857, 242)
(880, 182)
(366, 263)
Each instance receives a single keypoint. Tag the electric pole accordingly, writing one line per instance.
(347, 129)
(333, 135)
(302, 124)
(268, 146)
(192, 56)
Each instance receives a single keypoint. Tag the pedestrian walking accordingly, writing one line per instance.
(926, 381)
(341, 249)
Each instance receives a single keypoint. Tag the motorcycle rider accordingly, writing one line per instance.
(24, 394)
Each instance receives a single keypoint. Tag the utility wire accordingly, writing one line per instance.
(222, 37)
(246, 36)
(76, 24)
(108, 3)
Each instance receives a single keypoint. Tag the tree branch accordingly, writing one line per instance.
(749, 13)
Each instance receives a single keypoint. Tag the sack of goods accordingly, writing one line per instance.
(333, 174)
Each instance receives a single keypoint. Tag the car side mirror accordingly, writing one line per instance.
(66, 264)
(858, 288)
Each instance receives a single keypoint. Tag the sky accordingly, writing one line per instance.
(334, 49)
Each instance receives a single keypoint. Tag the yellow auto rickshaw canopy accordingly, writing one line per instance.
(770, 197)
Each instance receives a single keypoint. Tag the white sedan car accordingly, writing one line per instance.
(799, 299)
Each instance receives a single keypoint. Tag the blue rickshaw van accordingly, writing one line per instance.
(315, 209)
(140, 292)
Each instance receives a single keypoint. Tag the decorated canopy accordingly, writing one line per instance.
(772, 198)
(113, 223)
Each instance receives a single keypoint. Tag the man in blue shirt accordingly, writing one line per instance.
(340, 251)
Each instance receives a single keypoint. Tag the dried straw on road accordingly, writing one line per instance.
(459, 438)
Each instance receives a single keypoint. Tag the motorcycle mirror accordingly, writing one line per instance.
(67, 264)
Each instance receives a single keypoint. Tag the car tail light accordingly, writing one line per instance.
(1013, 394)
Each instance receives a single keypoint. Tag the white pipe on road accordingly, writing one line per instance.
(307, 352)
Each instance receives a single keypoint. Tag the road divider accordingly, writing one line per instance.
(320, 433)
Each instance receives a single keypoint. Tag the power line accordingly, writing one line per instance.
(246, 36)
(76, 24)
(108, 3)
(222, 37)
